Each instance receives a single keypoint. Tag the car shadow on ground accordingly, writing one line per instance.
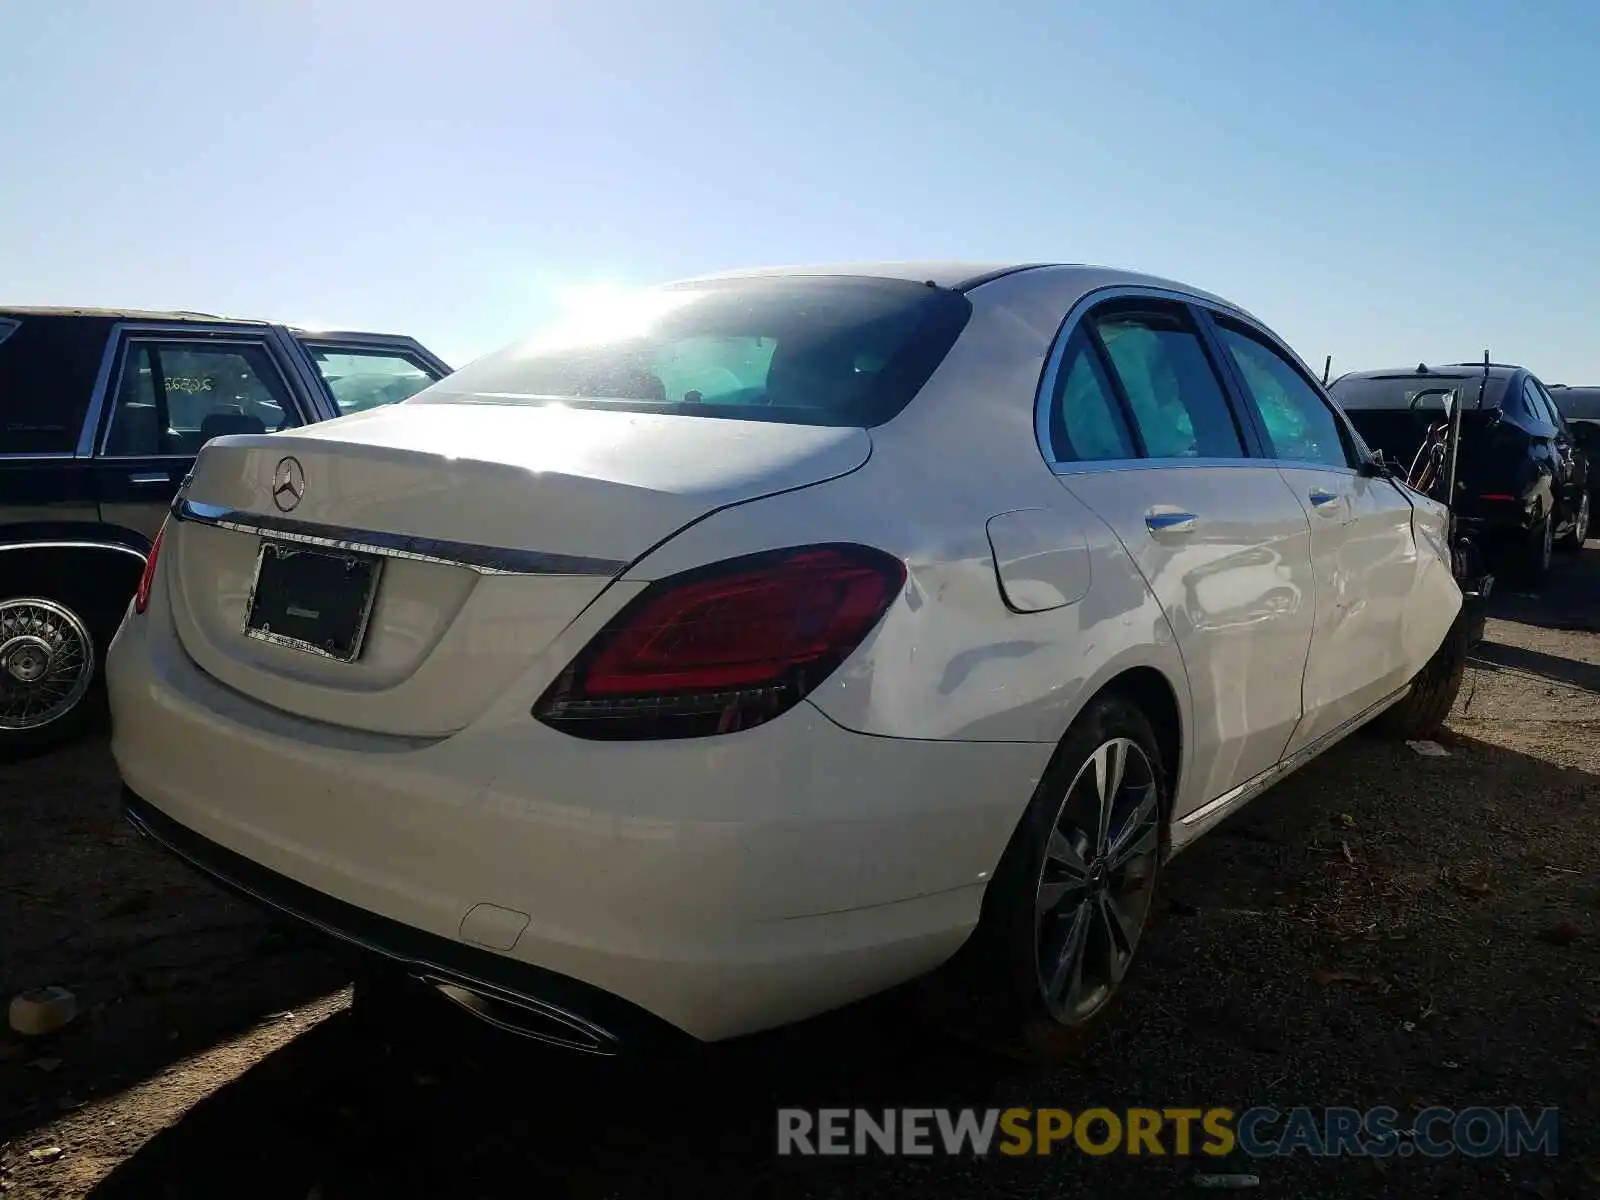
(160, 963)
(1569, 599)
(1326, 946)
(1552, 668)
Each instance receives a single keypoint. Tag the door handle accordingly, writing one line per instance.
(1169, 522)
(149, 477)
(1321, 499)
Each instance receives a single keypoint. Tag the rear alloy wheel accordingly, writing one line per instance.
(1574, 539)
(47, 664)
(1096, 881)
(1072, 898)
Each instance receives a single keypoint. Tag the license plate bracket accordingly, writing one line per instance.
(312, 599)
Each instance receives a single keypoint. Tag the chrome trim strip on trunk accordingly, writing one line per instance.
(1251, 788)
(486, 560)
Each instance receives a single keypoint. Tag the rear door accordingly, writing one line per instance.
(1363, 552)
(1143, 433)
(358, 372)
(169, 391)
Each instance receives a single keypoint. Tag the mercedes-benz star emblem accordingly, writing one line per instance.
(288, 484)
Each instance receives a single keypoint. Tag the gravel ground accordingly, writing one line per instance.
(1383, 928)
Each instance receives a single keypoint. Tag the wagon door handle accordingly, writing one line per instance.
(1324, 500)
(149, 477)
(1169, 522)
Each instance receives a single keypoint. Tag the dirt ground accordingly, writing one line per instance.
(1383, 928)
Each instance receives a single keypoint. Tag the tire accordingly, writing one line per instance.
(1046, 963)
(1572, 541)
(1433, 691)
(1531, 553)
(50, 674)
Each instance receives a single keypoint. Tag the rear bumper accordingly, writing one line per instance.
(721, 885)
(571, 1013)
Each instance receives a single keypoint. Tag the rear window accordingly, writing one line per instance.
(1577, 403)
(835, 350)
(1398, 391)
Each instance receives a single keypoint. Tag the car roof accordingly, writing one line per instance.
(944, 273)
(964, 275)
(119, 314)
(1438, 370)
(176, 317)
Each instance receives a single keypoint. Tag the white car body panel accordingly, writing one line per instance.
(596, 488)
(1366, 567)
(1235, 587)
(732, 883)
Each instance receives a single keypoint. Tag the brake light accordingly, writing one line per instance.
(141, 598)
(725, 647)
(1496, 496)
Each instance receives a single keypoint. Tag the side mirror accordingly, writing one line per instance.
(1374, 468)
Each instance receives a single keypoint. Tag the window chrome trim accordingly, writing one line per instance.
(31, 456)
(62, 544)
(1089, 466)
(485, 560)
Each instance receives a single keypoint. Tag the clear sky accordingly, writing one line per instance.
(1384, 180)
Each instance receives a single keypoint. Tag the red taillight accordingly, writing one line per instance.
(141, 598)
(1497, 496)
(724, 647)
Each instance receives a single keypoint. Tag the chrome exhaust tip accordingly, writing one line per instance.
(525, 1016)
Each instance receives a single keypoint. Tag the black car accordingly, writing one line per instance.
(1522, 477)
(1581, 408)
(101, 416)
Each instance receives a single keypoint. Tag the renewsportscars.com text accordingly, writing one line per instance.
(1259, 1132)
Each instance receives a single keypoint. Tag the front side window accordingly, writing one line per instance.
(359, 379)
(1178, 405)
(1299, 425)
(804, 350)
(173, 397)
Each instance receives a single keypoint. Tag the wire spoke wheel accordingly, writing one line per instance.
(46, 663)
(1096, 883)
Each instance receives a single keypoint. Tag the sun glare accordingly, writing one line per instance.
(602, 312)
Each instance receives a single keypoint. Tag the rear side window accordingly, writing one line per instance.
(359, 379)
(1178, 406)
(1540, 404)
(48, 366)
(1086, 424)
(831, 350)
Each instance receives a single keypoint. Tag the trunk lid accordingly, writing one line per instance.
(494, 526)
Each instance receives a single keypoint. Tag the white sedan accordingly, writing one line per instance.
(767, 640)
